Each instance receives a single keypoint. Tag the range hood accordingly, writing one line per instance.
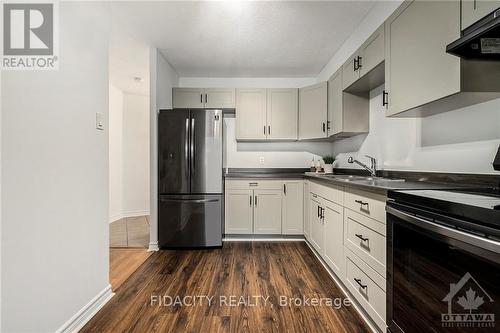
(479, 41)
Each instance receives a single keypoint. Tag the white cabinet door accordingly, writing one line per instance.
(267, 212)
(251, 114)
(239, 212)
(350, 71)
(372, 52)
(474, 10)
(293, 200)
(316, 224)
(220, 98)
(307, 213)
(334, 238)
(335, 104)
(313, 110)
(417, 68)
(188, 98)
(282, 114)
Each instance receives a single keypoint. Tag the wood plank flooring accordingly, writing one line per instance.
(123, 262)
(247, 269)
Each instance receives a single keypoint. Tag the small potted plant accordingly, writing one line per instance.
(328, 163)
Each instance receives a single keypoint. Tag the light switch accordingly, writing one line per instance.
(261, 159)
(99, 121)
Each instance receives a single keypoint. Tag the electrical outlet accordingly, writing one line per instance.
(261, 160)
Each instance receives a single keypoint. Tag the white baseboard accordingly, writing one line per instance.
(153, 247)
(346, 292)
(75, 323)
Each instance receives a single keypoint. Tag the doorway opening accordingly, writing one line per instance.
(129, 160)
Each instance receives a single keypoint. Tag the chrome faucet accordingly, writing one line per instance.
(372, 169)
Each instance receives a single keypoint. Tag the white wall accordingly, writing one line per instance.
(128, 154)
(463, 141)
(1, 201)
(162, 79)
(135, 155)
(115, 153)
(275, 154)
(55, 178)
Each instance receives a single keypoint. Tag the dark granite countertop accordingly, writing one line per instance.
(381, 185)
(353, 179)
(267, 173)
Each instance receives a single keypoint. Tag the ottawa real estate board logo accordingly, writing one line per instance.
(469, 305)
(30, 35)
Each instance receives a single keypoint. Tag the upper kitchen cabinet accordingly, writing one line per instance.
(251, 114)
(348, 114)
(191, 98)
(282, 114)
(266, 114)
(220, 98)
(188, 98)
(364, 70)
(313, 109)
(421, 79)
(474, 10)
(350, 70)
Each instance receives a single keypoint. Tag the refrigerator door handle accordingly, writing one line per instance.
(186, 146)
(193, 158)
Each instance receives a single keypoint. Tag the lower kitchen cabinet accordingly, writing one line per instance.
(267, 212)
(316, 220)
(307, 204)
(333, 230)
(293, 203)
(264, 207)
(239, 211)
(351, 241)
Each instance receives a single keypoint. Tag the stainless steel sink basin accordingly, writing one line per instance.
(379, 182)
(347, 178)
(374, 181)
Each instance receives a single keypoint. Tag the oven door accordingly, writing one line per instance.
(439, 278)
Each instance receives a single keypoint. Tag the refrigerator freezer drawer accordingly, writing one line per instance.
(189, 221)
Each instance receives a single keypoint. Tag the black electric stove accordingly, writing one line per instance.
(477, 207)
(443, 261)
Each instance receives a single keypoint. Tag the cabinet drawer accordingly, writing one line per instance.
(366, 238)
(331, 193)
(366, 203)
(245, 184)
(367, 291)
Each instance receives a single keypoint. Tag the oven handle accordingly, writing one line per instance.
(465, 237)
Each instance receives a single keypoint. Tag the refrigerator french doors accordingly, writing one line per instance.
(190, 203)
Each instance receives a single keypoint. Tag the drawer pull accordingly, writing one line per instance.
(358, 281)
(253, 184)
(362, 203)
(361, 237)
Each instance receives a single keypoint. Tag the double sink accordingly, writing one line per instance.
(363, 180)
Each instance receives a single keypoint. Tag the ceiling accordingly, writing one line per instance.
(235, 38)
(128, 62)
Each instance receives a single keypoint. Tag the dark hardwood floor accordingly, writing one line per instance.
(287, 269)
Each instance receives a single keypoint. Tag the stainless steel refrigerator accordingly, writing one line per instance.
(190, 200)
